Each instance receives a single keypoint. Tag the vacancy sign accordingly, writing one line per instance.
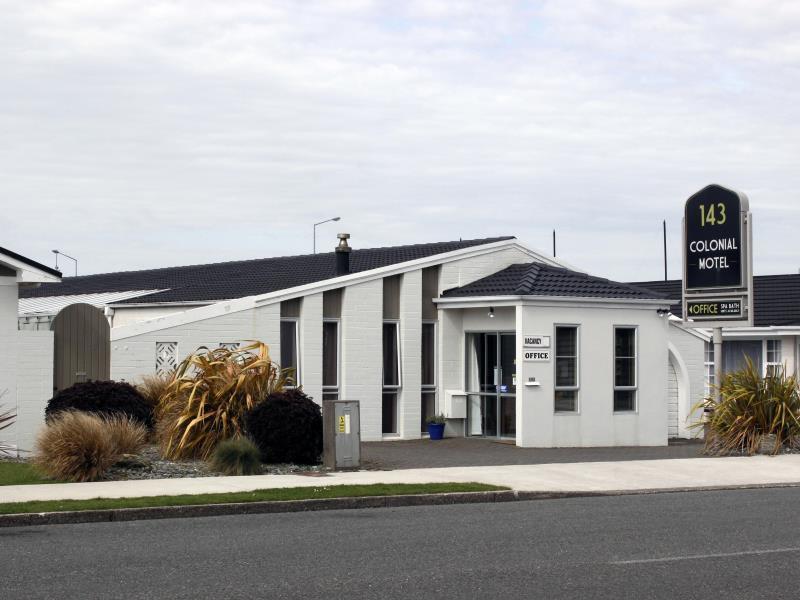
(717, 266)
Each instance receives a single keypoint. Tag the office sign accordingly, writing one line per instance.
(730, 308)
(536, 341)
(714, 244)
(717, 258)
(536, 356)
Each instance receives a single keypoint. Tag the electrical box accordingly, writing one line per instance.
(455, 404)
(341, 435)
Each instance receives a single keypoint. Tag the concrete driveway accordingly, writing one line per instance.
(467, 452)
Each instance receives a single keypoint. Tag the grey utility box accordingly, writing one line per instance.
(341, 437)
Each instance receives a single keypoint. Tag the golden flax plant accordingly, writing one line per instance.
(210, 393)
(752, 407)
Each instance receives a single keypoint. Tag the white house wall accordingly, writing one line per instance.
(461, 272)
(311, 346)
(362, 352)
(34, 386)
(134, 357)
(687, 355)
(8, 343)
(410, 407)
(595, 423)
(135, 314)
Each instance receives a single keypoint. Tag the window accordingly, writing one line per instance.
(166, 358)
(289, 344)
(566, 365)
(773, 364)
(391, 377)
(624, 369)
(330, 360)
(428, 396)
(708, 367)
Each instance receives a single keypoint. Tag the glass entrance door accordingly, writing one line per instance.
(491, 384)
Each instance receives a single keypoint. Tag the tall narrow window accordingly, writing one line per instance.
(428, 396)
(330, 360)
(289, 344)
(391, 377)
(708, 368)
(624, 369)
(774, 364)
(566, 350)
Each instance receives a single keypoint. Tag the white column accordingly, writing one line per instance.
(411, 354)
(362, 352)
(311, 346)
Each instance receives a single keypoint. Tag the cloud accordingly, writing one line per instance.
(142, 134)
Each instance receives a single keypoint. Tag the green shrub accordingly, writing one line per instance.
(287, 428)
(207, 399)
(752, 407)
(102, 398)
(237, 456)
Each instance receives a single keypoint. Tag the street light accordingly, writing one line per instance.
(315, 230)
(57, 252)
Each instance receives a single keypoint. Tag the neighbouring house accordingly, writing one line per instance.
(772, 343)
(503, 340)
(26, 357)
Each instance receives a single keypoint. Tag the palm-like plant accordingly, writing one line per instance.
(211, 391)
(752, 407)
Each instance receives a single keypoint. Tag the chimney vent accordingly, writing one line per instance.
(342, 255)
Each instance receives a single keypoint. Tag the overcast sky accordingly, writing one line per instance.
(139, 134)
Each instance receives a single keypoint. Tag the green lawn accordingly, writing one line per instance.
(307, 493)
(14, 473)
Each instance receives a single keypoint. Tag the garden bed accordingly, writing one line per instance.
(147, 464)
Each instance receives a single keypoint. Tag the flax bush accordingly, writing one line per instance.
(211, 391)
(752, 407)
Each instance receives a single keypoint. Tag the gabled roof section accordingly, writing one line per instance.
(776, 298)
(536, 279)
(238, 279)
(28, 270)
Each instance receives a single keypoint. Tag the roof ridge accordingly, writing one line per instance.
(528, 279)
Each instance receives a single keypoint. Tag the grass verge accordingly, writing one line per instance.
(14, 473)
(272, 495)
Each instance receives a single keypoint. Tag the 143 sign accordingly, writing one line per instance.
(714, 244)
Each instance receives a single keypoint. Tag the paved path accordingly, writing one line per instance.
(741, 544)
(483, 452)
(572, 477)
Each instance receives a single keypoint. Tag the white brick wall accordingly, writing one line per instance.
(411, 354)
(311, 346)
(362, 327)
(133, 357)
(690, 351)
(8, 345)
(34, 385)
(464, 271)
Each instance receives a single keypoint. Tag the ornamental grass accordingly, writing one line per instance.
(751, 408)
(209, 395)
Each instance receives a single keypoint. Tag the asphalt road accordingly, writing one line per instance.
(736, 544)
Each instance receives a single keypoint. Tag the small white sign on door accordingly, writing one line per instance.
(536, 341)
(536, 356)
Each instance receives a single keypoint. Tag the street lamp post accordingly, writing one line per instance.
(57, 252)
(315, 230)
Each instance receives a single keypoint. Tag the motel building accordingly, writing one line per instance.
(501, 339)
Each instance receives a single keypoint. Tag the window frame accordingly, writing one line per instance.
(709, 375)
(394, 389)
(765, 353)
(626, 388)
(567, 388)
(298, 371)
(428, 388)
(329, 389)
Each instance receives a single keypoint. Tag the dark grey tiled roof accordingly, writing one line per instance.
(30, 262)
(776, 298)
(228, 280)
(535, 279)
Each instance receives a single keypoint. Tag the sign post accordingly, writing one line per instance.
(718, 264)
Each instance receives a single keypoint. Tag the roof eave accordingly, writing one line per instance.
(483, 301)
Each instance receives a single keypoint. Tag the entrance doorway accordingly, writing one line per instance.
(492, 384)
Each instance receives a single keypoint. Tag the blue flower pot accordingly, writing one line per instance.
(436, 430)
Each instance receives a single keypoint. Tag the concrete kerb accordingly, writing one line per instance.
(289, 506)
